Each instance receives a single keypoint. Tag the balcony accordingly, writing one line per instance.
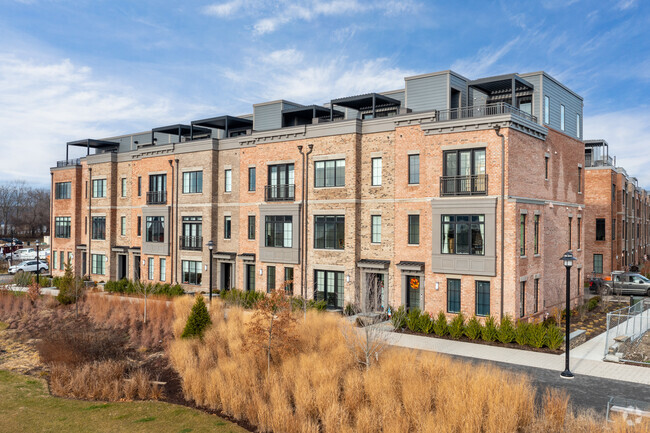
(191, 243)
(68, 163)
(483, 111)
(279, 192)
(156, 197)
(464, 185)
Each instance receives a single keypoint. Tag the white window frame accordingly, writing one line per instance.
(375, 229)
(123, 225)
(150, 266)
(228, 180)
(376, 171)
(163, 268)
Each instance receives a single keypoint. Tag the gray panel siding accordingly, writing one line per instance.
(267, 116)
(476, 97)
(572, 106)
(395, 95)
(461, 85)
(538, 107)
(427, 93)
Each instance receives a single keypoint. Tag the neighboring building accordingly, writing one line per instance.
(404, 200)
(617, 230)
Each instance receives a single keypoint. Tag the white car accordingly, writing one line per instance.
(24, 254)
(28, 266)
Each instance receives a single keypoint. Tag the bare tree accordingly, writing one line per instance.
(24, 209)
(366, 344)
(146, 289)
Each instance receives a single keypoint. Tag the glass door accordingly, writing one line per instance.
(412, 292)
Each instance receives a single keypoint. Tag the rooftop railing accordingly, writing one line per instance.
(607, 161)
(68, 162)
(482, 111)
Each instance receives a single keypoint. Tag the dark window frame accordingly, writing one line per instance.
(335, 298)
(97, 264)
(482, 307)
(227, 227)
(476, 225)
(536, 234)
(270, 278)
(536, 295)
(155, 229)
(98, 188)
(252, 178)
(329, 179)
(288, 280)
(601, 234)
(522, 298)
(251, 227)
(373, 232)
(413, 230)
(194, 273)
(98, 231)
(193, 182)
(274, 231)
(453, 295)
(373, 182)
(522, 235)
(599, 269)
(413, 173)
(323, 236)
(62, 227)
(62, 190)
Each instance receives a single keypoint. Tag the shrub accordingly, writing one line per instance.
(473, 329)
(199, 319)
(593, 303)
(23, 279)
(506, 332)
(549, 321)
(245, 299)
(398, 319)
(537, 335)
(457, 326)
(350, 309)
(440, 326)
(522, 331)
(66, 294)
(126, 286)
(413, 320)
(554, 337)
(425, 324)
(489, 331)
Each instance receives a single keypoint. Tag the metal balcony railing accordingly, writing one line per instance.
(68, 162)
(156, 197)
(482, 111)
(279, 192)
(192, 243)
(464, 185)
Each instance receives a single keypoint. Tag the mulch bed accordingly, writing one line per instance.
(594, 322)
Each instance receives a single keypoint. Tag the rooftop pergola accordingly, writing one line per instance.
(179, 129)
(90, 143)
(292, 116)
(225, 123)
(503, 84)
(366, 102)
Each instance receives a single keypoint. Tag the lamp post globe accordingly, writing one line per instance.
(567, 261)
(210, 246)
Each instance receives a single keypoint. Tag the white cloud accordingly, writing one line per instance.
(482, 62)
(626, 4)
(224, 9)
(628, 135)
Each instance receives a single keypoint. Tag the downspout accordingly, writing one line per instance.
(90, 218)
(176, 201)
(497, 130)
(171, 226)
(302, 228)
(306, 220)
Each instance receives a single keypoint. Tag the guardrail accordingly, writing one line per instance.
(464, 185)
(68, 162)
(482, 111)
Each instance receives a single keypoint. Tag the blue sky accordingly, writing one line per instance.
(89, 69)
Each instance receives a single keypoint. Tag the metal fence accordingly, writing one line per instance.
(633, 411)
(626, 325)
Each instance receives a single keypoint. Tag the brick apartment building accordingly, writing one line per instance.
(449, 194)
(617, 218)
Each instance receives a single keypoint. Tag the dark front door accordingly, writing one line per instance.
(412, 292)
(250, 278)
(121, 266)
(84, 260)
(226, 276)
(136, 267)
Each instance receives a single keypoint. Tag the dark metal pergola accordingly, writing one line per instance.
(368, 101)
(304, 115)
(225, 123)
(502, 85)
(89, 143)
(179, 129)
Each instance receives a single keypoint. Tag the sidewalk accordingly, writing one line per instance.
(586, 359)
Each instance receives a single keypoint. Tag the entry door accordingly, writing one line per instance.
(412, 292)
(250, 278)
(226, 276)
(136, 267)
(121, 268)
(84, 261)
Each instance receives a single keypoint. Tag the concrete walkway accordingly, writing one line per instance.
(586, 359)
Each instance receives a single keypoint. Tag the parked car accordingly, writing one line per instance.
(597, 285)
(28, 266)
(24, 254)
(10, 240)
(628, 283)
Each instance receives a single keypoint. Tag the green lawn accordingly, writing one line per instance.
(26, 406)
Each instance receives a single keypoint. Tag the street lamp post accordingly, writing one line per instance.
(568, 260)
(210, 245)
(38, 266)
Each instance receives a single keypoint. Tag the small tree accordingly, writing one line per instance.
(67, 286)
(365, 344)
(145, 290)
(198, 321)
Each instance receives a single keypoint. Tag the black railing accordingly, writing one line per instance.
(280, 192)
(68, 162)
(482, 111)
(192, 243)
(464, 185)
(156, 197)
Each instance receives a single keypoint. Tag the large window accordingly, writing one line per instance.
(99, 188)
(600, 229)
(522, 298)
(330, 173)
(329, 232)
(414, 230)
(536, 235)
(150, 268)
(227, 227)
(251, 178)
(598, 263)
(62, 190)
(376, 171)
(414, 169)
(192, 235)
(191, 272)
(99, 228)
(280, 182)
(329, 288)
(463, 234)
(155, 230)
(270, 279)
(522, 234)
(562, 117)
(228, 180)
(375, 229)
(192, 182)
(62, 227)
(251, 226)
(464, 172)
(98, 264)
(482, 298)
(163, 269)
(279, 231)
(453, 296)
(547, 109)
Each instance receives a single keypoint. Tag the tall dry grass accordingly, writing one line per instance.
(13, 305)
(321, 388)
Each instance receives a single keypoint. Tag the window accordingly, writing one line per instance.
(562, 117)
(99, 188)
(329, 288)
(228, 180)
(86, 190)
(155, 230)
(191, 272)
(522, 234)
(62, 227)
(123, 187)
(453, 296)
(547, 109)
(53, 259)
(578, 125)
(251, 178)
(329, 232)
(463, 234)
(270, 279)
(157, 182)
(522, 299)
(99, 228)
(414, 169)
(150, 268)
(579, 235)
(536, 296)
(123, 225)
(139, 225)
(546, 167)
(414, 229)
(250, 278)
(227, 227)
(330, 173)
(62, 190)
(598, 263)
(85, 225)
(62, 260)
(570, 229)
(375, 229)
(279, 231)
(536, 235)
(251, 226)
(192, 182)
(97, 262)
(280, 182)
(600, 229)
(614, 229)
(376, 171)
(579, 180)
(464, 172)
(482, 298)
(139, 186)
(288, 280)
(191, 236)
(163, 269)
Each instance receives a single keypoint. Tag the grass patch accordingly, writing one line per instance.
(31, 408)
(3, 326)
